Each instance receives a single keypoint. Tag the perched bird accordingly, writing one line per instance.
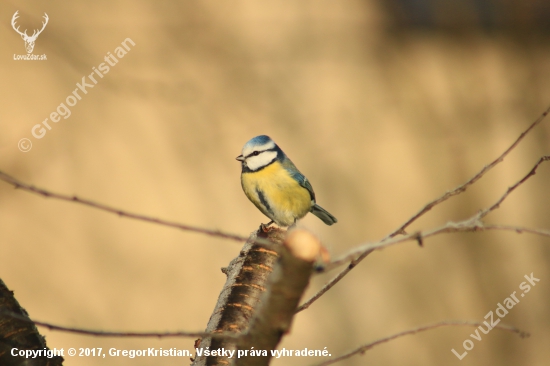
(274, 184)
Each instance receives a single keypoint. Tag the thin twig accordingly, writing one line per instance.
(517, 229)
(475, 178)
(426, 208)
(512, 188)
(100, 333)
(423, 328)
(471, 224)
(333, 282)
(100, 206)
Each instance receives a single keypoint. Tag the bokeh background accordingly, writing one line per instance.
(383, 105)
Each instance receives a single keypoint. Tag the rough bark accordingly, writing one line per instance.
(279, 302)
(20, 332)
(246, 282)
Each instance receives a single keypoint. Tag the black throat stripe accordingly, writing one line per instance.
(246, 169)
(263, 200)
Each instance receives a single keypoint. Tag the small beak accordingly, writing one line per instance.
(240, 158)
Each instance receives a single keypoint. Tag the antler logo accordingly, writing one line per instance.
(29, 41)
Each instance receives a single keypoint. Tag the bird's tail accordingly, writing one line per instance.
(323, 215)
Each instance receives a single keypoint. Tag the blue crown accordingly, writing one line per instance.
(258, 140)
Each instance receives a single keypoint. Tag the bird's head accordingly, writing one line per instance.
(258, 152)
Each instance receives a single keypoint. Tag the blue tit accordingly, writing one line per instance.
(274, 184)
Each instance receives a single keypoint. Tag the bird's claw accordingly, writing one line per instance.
(266, 228)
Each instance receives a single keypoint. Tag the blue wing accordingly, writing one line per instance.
(299, 177)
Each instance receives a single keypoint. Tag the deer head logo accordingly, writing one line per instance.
(29, 40)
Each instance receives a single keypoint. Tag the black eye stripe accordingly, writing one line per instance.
(256, 153)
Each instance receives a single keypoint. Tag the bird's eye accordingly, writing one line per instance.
(256, 153)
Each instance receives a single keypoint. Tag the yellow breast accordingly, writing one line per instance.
(277, 194)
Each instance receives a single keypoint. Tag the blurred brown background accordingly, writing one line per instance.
(383, 105)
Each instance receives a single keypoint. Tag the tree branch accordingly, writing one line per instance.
(101, 333)
(334, 281)
(461, 188)
(517, 229)
(277, 306)
(512, 188)
(19, 332)
(423, 328)
(471, 224)
(354, 261)
(247, 277)
(100, 206)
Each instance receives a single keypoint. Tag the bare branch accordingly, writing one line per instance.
(19, 332)
(423, 328)
(247, 277)
(512, 188)
(471, 224)
(278, 303)
(358, 257)
(517, 229)
(475, 178)
(333, 282)
(100, 206)
(100, 333)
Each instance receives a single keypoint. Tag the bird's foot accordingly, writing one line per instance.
(265, 227)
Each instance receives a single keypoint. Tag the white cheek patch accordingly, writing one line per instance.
(258, 161)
